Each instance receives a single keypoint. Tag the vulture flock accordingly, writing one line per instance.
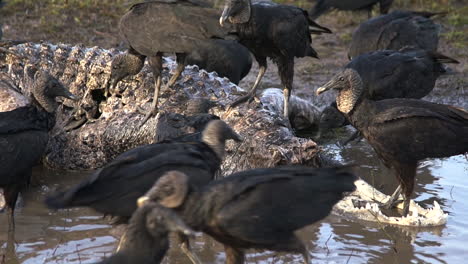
(174, 186)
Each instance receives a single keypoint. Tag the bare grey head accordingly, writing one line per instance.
(46, 88)
(124, 65)
(215, 135)
(350, 88)
(170, 190)
(147, 232)
(200, 106)
(161, 220)
(237, 11)
(198, 122)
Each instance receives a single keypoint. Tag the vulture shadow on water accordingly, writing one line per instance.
(323, 6)
(401, 131)
(181, 27)
(24, 136)
(278, 32)
(395, 31)
(224, 208)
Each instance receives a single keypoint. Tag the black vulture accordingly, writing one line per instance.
(115, 188)
(178, 127)
(402, 131)
(244, 210)
(200, 106)
(186, 127)
(408, 73)
(395, 31)
(228, 58)
(278, 32)
(331, 117)
(24, 136)
(225, 57)
(322, 6)
(146, 238)
(164, 26)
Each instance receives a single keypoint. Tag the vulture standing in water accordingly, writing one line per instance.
(163, 26)
(115, 188)
(244, 210)
(278, 32)
(401, 131)
(322, 6)
(24, 136)
(395, 31)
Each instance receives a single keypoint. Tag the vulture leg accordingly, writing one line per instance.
(407, 173)
(392, 201)
(296, 245)
(305, 254)
(11, 196)
(263, 66)
(185, 246)
(234, 255)
(286, 73)
(180, 68)
(10, 247)
(155, 63)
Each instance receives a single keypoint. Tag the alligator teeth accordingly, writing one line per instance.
(370, 210)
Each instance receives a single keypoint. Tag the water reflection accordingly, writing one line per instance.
(43, 236)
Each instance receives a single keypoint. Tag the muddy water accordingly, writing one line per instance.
(83, 236)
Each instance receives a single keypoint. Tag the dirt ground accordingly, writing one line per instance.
(94, 23)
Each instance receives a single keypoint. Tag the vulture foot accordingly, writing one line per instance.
(246, 98)
(148, 114)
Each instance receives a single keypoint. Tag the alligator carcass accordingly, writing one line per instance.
(106, 127)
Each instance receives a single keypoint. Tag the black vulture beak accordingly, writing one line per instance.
(142, 201)
(178, 225)
(329, 85)
(69, 95)
(224, 16)
(237, 137)
(218, 105)
(189, 232)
